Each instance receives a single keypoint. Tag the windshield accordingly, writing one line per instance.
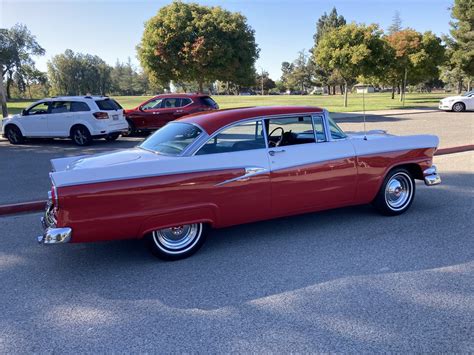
(172, 139)
(469, 93)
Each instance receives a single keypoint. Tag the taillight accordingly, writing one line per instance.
(101, 115)
(54, 196)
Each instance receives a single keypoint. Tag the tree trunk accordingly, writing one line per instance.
(404, 86)
(329, 90)
(459, 86)
(469, 87)
(3, 99)
(201, 87)
(29, 91)
(9, 82)
(334, 89)
(393, 92)
(345, 93)
(341, 89)
(398, 89)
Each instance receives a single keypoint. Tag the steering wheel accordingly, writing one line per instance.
(281, 137)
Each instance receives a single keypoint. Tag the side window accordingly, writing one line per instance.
(185, 102)
(77, 106)
(152, 105)
(60, 106)
(171, 103)
(39, 109)
(336, 132)
(244, 136)
(319, 129)
(290, 131)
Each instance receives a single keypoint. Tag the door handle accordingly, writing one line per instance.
(273, 152)
(249, 172)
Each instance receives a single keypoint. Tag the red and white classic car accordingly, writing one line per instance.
(228, 167)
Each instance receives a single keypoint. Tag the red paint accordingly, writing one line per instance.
(215, 120)
(155, 118)
(451, 150)
(22, 207)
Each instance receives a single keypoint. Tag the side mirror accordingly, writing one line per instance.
(24, 113)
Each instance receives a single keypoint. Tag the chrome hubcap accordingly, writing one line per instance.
(398, 191)
(179, 238)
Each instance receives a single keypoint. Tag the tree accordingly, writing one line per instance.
(460, 46)
(417, 57)
(396, 25)
(325, 24)
(78, 74)
(127, 80)
(17, 46)
(263, 80)
(190, 42)
(352, 50)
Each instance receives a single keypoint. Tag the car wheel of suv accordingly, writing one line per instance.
(396, 193)
(14, 135)
(177, 242)
(459, 107)
(112, 137)
(81, 135)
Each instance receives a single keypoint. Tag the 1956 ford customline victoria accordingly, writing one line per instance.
(229, 167)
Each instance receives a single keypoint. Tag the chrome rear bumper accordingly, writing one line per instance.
(431, 176)
(51, 234)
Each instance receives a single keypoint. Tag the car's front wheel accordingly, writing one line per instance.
(459, 107)
(177, 242)
(14, 135)
(81, 136)
(396, 193)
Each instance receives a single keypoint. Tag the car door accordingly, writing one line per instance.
(148, 115)
(238, 168)
(470, 102)
(309, 171)
(170, 110)
(60, 118)
(33, 120)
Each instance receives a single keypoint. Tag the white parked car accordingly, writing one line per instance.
(81, 118)
(458, 103)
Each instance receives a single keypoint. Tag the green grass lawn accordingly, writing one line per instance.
(377, 101)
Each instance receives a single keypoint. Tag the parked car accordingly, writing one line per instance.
(229, 167)
(81, 118)
(458, 103)
(159, 110)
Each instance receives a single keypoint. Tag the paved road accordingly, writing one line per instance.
(25, 168)
(347, 280)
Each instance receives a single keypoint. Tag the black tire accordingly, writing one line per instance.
(14, 135)
(81, 136)
(459, 107)
(131, 129)
(396, 193)
(168, 246)
(112, 137)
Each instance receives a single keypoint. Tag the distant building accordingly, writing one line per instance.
(364, 88)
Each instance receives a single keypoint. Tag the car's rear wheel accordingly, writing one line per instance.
(459, 107)
(178, 242)
(81, 136)
(131, 129)
(112, 137)
(396, 193)
(14, 135)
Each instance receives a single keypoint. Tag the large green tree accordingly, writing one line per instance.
(325, 24)
(460, 45)
(190, 42)
(300, 73)
(416, 58)
(17, 48)
(351, 51)
(78, 74)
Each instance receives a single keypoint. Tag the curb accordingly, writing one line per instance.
(36, 206)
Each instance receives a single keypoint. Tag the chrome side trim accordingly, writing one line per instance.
(249, 172)
(55, 236)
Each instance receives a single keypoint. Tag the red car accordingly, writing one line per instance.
(159, 110)
(228, 167)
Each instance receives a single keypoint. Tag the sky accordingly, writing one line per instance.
(111, 29)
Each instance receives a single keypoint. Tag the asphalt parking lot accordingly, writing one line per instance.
(25, 168)
(346, 280)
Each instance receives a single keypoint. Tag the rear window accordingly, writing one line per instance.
(77, 106)
(208, 102)
(108, 105)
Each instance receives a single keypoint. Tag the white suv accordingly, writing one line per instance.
(82, 118)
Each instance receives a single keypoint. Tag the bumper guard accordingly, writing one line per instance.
(431, 176)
